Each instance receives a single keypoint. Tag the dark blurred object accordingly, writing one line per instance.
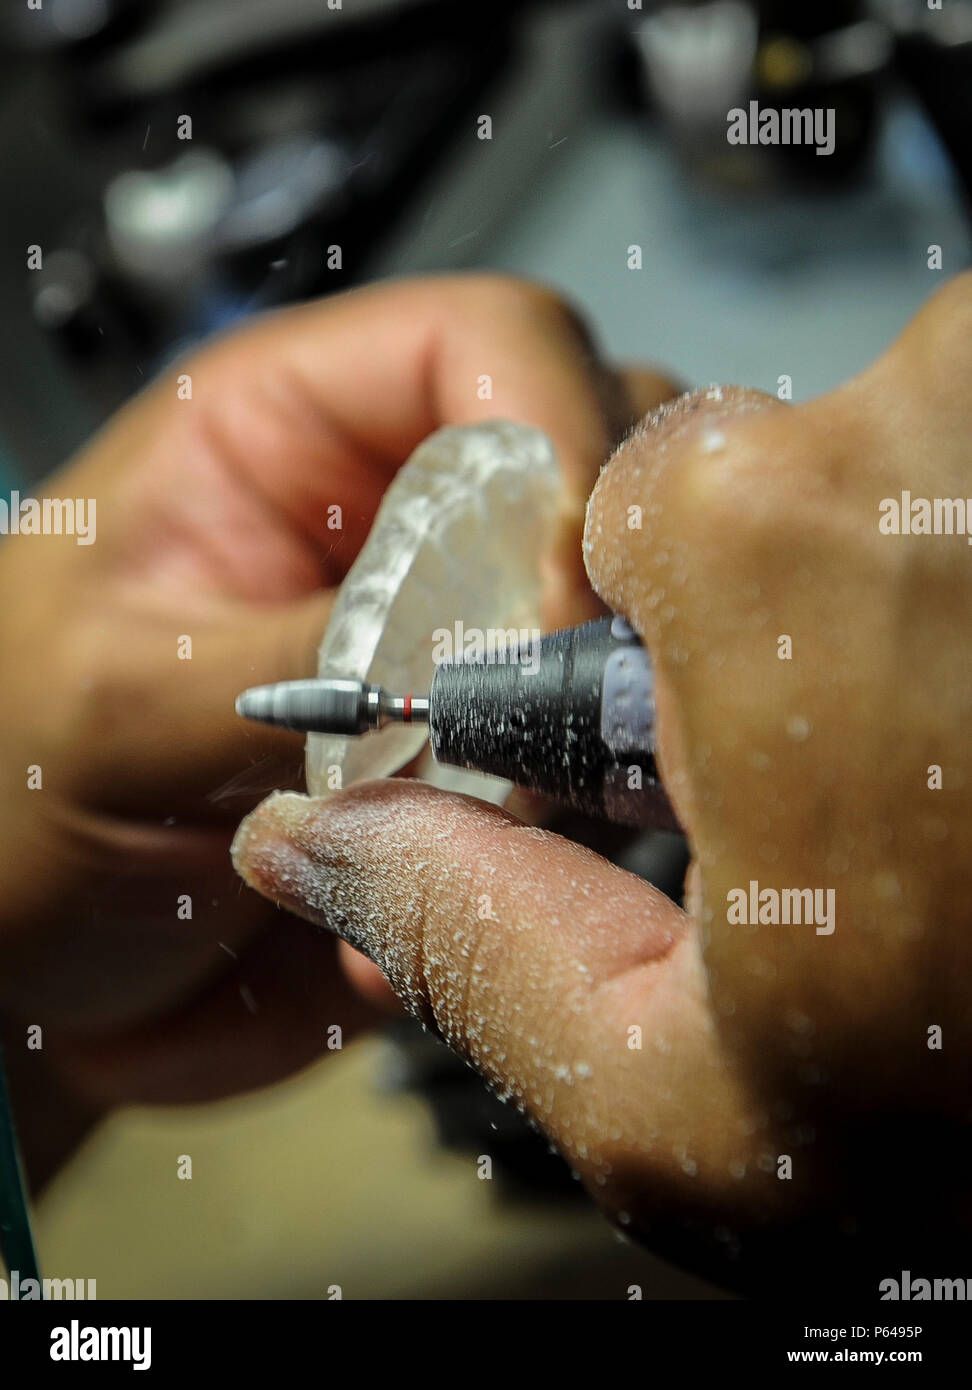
(244, 153)
(59, 24)
(181, 164)
(701, 60)
(332, 145)
(935, 58)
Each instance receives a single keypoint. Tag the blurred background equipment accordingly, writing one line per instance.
(182, 163)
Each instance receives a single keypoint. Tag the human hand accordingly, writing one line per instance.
(212, 524)
(725, 1089)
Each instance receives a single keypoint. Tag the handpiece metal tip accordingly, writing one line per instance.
(255, 703)
(309, 706)
(330, 706)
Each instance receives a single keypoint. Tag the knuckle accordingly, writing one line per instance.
(539, 301)
(564, 317)
(701, 490)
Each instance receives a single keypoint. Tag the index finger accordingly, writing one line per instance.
(376, 371)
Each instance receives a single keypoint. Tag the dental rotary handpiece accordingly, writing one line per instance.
(572, 717)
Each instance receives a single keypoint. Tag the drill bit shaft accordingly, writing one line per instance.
(323, 706)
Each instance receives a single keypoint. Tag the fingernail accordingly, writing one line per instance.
(348, 864)
(267, 857)
(315, 858)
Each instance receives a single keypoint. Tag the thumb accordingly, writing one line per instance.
(576, 989)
